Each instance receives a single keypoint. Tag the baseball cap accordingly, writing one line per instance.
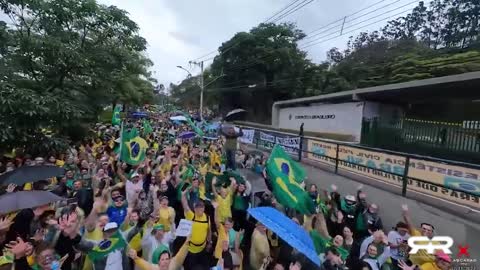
(158, 227)
(110, 226)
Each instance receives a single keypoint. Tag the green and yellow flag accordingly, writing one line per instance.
(133, 149)
(281, 171)
(147, 128)
(116, 120)
(284, 163)
(107, 246)
(193, 126)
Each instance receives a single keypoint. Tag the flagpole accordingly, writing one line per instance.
(121, 142)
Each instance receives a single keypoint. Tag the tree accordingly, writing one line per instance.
(63, 62)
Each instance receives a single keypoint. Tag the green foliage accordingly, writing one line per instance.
(62, 61)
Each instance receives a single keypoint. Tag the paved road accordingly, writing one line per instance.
(461, 230)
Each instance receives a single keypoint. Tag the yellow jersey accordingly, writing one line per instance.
(200, 230)
(224, 206)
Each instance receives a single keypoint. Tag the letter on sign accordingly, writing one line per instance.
(430, 245)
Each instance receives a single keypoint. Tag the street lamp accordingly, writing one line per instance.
(189, 74)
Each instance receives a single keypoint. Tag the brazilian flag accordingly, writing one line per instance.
(133, 148)
(286, 189)
(107, 246)
(116, 121)
(284, 163)
(147, 128)
(193, 126)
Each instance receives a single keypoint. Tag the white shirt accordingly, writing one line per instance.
(131, 190)
(150, 243)
(395, 238)
(114, 261)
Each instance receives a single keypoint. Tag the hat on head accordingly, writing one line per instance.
(350, 198)
(443, 256)
(135, 174)
(110, 226)
(158, 253)
(158, 227)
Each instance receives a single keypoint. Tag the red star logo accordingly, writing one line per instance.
(463, 251)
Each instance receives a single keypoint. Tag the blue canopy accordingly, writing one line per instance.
(285, 228)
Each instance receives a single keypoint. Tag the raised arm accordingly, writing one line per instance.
(185, 206)
(407, 218)
(214, 190)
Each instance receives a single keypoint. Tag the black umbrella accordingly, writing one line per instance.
(26, 199)
(237, 114)
(27, 174)
(229, 130)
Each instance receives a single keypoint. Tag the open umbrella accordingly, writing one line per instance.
(237, 114)
(187, 135)
(285, 228)
(26, 199)
(27, 174)
(178, 118)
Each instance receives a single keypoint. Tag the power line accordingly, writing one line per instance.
(359, 28)
(254, 61)
(280, 11)
(293, 10)
(366, 20)
(341, 19)
(238, 42)
(354, 19)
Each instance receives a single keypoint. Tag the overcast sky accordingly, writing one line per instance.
(181, 30)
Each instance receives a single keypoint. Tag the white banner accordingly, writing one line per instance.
(289, 144)
(247, 136)
(267, 137)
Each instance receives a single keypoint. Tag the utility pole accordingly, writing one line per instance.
(201, 86)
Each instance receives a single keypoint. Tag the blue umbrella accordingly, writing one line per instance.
(187, 135)
(285, 228)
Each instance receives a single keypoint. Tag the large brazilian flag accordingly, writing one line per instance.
(285, 175)
(133, 148)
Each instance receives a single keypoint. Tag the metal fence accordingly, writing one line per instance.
(458, 141)
(448, 180)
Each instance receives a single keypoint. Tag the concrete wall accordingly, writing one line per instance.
(343, 118)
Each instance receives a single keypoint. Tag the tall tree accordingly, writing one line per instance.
(64, 62)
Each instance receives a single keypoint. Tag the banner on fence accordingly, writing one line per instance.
(381, 166)
(322, 152)
(266, 140)
(451, 182)
(247, 136)
(438, 178)
(289, 144)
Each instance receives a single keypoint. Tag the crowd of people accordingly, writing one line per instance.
(118, 216)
